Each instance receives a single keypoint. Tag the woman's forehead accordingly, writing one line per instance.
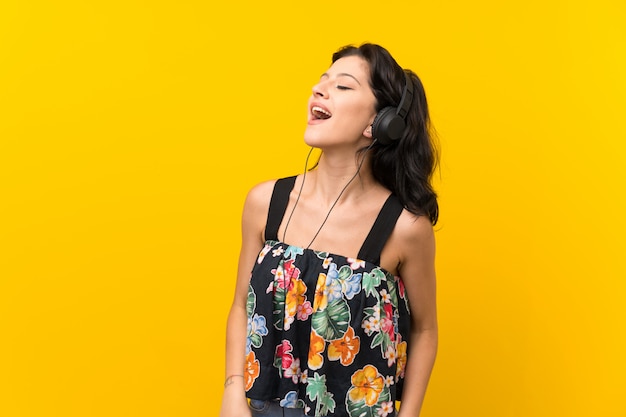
(355, 66)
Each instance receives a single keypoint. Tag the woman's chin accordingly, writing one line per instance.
(313, 140)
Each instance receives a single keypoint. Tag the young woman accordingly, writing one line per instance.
(337, 316)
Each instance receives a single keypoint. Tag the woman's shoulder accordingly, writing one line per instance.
(259, 195)
(413, 231)
(256, 208)
(412, 240)
(261, 192)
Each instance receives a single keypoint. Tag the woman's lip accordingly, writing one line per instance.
(315, 121)
(313, 118)
(320, 105)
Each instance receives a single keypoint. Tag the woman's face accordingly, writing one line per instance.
(342, 106)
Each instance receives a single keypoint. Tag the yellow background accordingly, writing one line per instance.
(130, 132)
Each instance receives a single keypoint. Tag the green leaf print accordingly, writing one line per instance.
(369, 312)
(361, 409)
(371, 280)
(279, 308)
(377, 340)
(316, 390)
(321, 255)
(332, 322)
(256, 340)
(344, 272)
(327, 405)
(392, 287)
(251, 301)
(383, 340)
(316, 386)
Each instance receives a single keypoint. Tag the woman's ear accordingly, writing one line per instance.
(368, 132)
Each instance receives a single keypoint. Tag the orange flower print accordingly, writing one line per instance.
(367, 385)
(401, 358)
(251, 371)
(295, 297)
(344, 349)
(321, 294)
(316, 347)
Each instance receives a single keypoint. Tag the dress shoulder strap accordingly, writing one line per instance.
(278, 206)
(381, 230)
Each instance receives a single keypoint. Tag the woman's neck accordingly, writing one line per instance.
(336, 172)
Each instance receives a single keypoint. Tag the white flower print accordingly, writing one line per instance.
(386, 408)
(391, 355)
(356, 263)
(293, 371)
(263, 252)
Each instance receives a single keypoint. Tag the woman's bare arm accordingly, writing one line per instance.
(417, 268)
(234, 403)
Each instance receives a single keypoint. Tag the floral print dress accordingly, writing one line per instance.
(326, 333)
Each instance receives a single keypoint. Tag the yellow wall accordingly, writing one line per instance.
(131, 130)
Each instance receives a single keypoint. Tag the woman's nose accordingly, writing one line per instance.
(319, 90)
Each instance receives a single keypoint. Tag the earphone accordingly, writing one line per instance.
(389, 123)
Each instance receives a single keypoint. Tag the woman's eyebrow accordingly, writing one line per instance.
(342, 74)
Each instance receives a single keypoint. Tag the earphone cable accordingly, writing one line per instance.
(334, 203)
(306, 166)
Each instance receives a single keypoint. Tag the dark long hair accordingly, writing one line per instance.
(405, 167)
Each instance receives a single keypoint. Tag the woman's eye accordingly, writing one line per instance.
(343, 87)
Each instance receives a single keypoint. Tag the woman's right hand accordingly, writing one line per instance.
(235, 410)
(234, 402)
